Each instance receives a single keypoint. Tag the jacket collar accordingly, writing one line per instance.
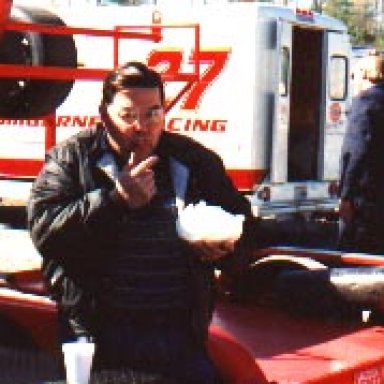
(99, 145)
(101, 154)
(107, 164)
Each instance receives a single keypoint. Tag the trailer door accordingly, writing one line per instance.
(337, 49)
(279, 155)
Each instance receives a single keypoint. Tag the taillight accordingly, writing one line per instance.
(264, 194)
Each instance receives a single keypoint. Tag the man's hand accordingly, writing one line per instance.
(213, 250)
(136, 183)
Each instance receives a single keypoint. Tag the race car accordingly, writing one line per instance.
(295, 315)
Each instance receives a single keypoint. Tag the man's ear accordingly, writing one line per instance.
(104, 115)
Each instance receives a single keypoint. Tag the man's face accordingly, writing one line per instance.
(134, 121)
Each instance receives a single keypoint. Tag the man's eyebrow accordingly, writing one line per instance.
(156, 106)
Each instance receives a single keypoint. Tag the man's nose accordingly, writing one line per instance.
(140, 124)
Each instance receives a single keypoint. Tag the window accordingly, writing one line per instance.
(284, 71)
(338, 78)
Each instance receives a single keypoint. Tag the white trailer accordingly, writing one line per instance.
(265, 86)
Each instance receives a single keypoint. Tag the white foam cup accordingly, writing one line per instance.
(78, 358)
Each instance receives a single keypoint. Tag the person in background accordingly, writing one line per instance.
(362, 166)
(102, 214)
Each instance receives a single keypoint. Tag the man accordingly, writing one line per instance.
(362, 166)
(102, 215)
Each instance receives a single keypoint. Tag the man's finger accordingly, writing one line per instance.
(134, 159)
(144, 165)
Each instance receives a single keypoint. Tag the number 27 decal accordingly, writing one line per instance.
(213, 61)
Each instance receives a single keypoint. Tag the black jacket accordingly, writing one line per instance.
(362, 160)
(70, 212)
(362, 172)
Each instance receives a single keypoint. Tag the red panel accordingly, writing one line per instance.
(250, 344)
(235, 363)
(296, 350)
(18, 168)
(5, 7)
(37, 315)
(245, 179)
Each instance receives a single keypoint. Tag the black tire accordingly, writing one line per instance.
(260, 283)
(24, 97)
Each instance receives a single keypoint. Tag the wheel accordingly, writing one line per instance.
(260, 283)
(30, 98)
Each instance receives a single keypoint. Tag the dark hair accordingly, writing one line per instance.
(132, 74)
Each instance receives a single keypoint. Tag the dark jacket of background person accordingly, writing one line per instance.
(72, 217)
(362, 174)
